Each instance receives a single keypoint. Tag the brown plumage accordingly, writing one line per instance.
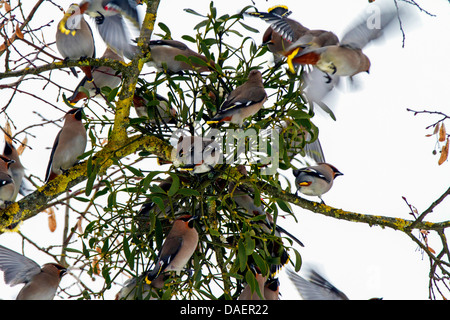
(74, 38)
(7, 185)
(243, 102)
(177, 249)
(40, 283)
(16, 169)
(69, 144)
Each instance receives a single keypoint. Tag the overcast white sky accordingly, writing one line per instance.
(379, 146)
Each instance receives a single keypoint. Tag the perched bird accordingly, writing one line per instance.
(145, 108)
(7, 185)
(103, 76)
(243, 102)
(163, 55)
(177, 249)
(41, 283)
(196, 154)
(16, 169)
(74, 38)
(110, 18)
(316, 287)
(272, 289)
(345, 58)
(316, 180)
(69, 144)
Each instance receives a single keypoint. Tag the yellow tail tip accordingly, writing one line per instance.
(277, 6)
(212, 121)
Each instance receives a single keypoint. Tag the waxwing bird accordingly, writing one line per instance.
(196, 154)
(243, 102)
(316, 180)
(145, 108)
(316, 287)
(41, 283)
(178, 247)
(272, 289)
(69, 144)
(7, 185)
(102, 76)
(110, 18)
(74, 38)
(163, 54)
(16, 169)
(345, 58)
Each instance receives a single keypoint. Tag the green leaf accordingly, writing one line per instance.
(174, 186)
(127, 253)
(135, 171)
(188, 38)
(194, 12)
(298, 260)
(299, 114)
(242, 255)
(249, 243)
(188, 192)
(197, 60)
(249, 28)
(262, 265)
(164, 28)
(201, 24)
(159, 202)
(68, 249)
(90, 183)
(112, 94)
(284, 206)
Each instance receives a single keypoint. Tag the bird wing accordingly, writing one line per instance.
(277, 22)
(50, 162)
(312, 290)
(168, 252)
(310, 171)
(127, 8)
(115, 33)
(368, 27)
(16, 267)
(236, 100)
(170, 43)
